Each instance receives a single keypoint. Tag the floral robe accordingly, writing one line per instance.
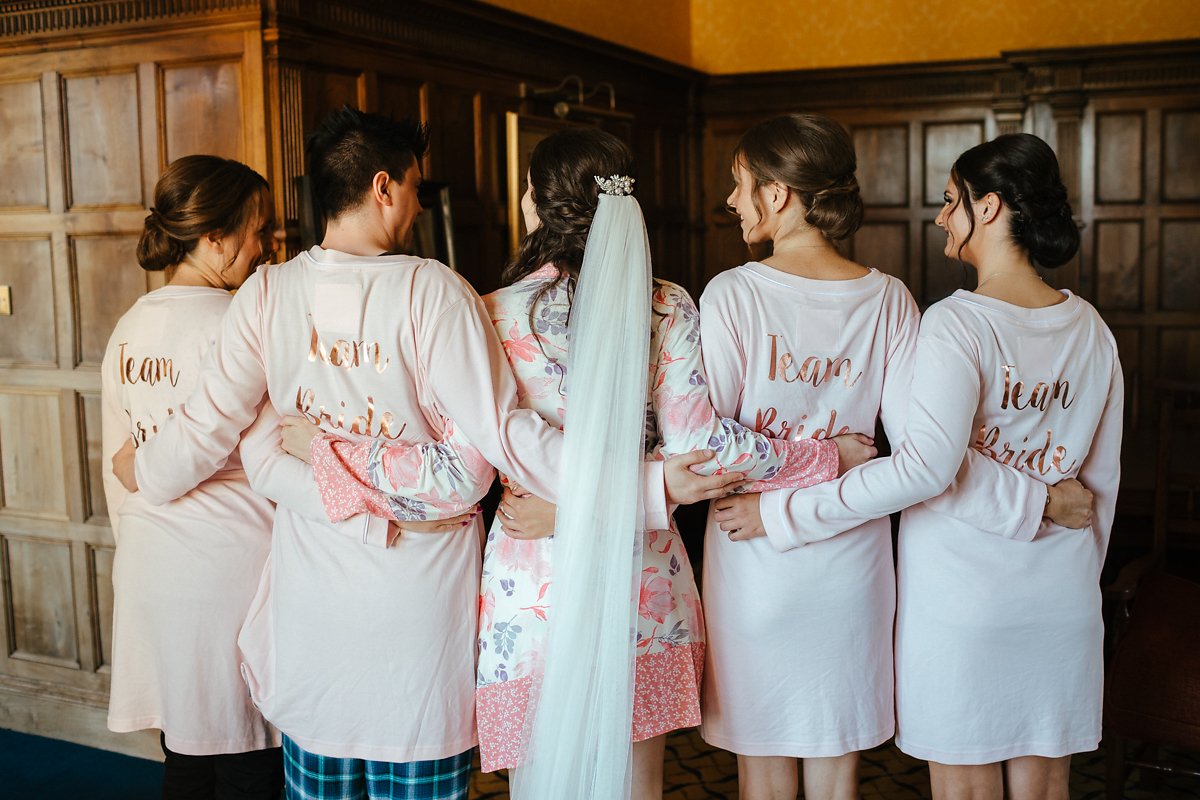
(515, 594)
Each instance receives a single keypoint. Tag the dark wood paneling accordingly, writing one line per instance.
(1120, 140)
(882, 164)
(1181, 156)
(1119, 265)
(943, 142)
(1180, 279)
(883, 246)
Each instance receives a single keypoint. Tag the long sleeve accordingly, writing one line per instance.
(468, 376)
(1101, 469)
(287, 481)
(687, 420)
(1004, 501)
(943, 400)
(114, 432)
(198, 438)
(399, 480)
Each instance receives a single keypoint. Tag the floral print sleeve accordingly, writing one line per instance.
(398, 480)
(686, 420)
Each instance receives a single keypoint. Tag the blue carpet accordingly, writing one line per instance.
(36, 768)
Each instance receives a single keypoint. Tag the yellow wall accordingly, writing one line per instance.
(727, 36)
(762, 35)
(658, 27)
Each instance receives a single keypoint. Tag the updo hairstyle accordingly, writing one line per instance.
(197, 195)
(1021, 169)
(562, 170)
(813, 156)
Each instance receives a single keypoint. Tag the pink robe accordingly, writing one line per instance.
(800, 642)
(999, 632)
(184, 572)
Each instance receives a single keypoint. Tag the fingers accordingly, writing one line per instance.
(693, 458)
(863, 438)
(714, 487)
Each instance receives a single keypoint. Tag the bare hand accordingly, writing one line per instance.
(739, 517)
(526, 517)
(1070, 504)
(297, 434)
(685, 486)
(122, 467)
(854, 449)
(449, 525)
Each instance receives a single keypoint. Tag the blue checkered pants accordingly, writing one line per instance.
(309, 776)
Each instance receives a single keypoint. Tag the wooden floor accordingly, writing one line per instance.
(695, 771)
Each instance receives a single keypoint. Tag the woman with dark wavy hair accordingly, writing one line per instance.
(999, 668)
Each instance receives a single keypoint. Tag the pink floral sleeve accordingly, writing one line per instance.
(686, 419)
(399, 481)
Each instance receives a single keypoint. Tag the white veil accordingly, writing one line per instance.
(579, 743)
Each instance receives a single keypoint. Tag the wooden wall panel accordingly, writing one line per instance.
(107, 281)
(202, 110)
(102, 602)
(326, 90)
(102, 140)
(31, 453)
(94, 467)
(1120, 142)
(943, 143)
(1119, 265)
(28, 336)
(1180, 278)
(23, 145)
(1177, 354)
(40, 601)
(882, 164)
(883, 246)
(399, 97)
(1181, 156)
(942, 276)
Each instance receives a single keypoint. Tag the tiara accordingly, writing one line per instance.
(616, 185)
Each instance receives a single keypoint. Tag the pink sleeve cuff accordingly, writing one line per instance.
(339, 469)
(772, 507)
(654, 497)
(802, 462)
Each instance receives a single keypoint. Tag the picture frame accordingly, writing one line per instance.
(522, 134)
(432, 233)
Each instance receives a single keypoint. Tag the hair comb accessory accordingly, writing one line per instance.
(617, 185)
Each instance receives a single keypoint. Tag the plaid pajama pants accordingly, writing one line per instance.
(309, 776)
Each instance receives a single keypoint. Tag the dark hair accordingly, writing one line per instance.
(562, 170)
(1021, 169)
(813, 156)
(196, 196)
(350, 146)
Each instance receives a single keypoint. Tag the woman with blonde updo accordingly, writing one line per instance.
(185, 572)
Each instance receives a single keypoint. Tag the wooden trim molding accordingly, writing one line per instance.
(39, 18)
(1063, 77)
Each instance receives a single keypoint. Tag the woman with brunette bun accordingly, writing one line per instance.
(998, 637)
(185, 572)
(808, 344)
